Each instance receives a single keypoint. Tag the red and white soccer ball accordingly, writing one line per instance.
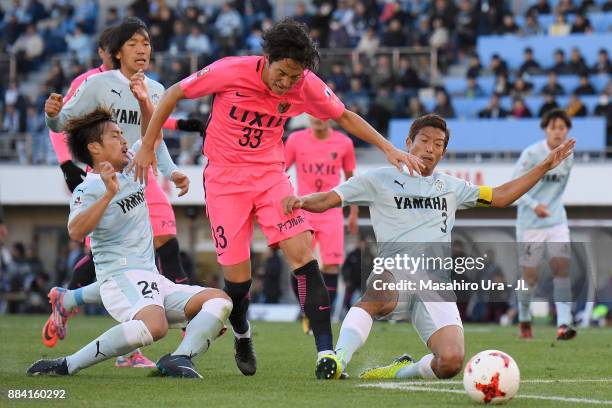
(491, 377)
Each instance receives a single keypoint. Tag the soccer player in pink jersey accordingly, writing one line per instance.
(321, 154)
(245, 179)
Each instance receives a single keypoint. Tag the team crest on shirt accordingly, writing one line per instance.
(439, 185)
(334, 155)
(77, 201)
(283, 107)
(155, 98)
(202, 71)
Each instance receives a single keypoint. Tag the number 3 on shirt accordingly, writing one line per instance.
(444, 227)
(251, 137)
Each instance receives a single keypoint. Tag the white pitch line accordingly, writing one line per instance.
(459, 382)
(452, 391)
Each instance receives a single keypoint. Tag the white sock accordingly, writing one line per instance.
(562, 294)
(353, 333)
(89, 294)
(420, 369)
(523, 298)
(245, 335)
(204, 327)
(116, 341)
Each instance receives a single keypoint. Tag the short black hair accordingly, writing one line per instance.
(104, 38)
(289, 39)
(555, 114)
(429, 120)
(122, 33)
(86, 129)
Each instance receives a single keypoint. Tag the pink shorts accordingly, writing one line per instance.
(160, 210)
(235, 196)
(329, 234)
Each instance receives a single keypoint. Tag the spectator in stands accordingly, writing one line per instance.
(440, 36)
(176, 72)
(604, 109)
(502, 86)
(559, 27)
(532, 26)
(12, 121)
(301, 14)
(415, 108)
(254, 41)
(552, 86)
(576, 63)
(475, 66)
(320, 23)
(408, 77)
(575, 107)
(339, 78)
(443, 106)
(603, 65)
(369, 43)
(493, 109)
(80, 45)
(521, 88)
(581, 25)
(585, 87)
(198, 43)
(359, 72)
(28, 49)
(560, 67)
(228, 27)
(466, 26)
(541, 7)
(420, 36)
(16, 272)
(383, 75)
(112, 17)
(86, 14)
(446, 11)
(338, 36)
(508, 25)
(361, 21)
(394, 36)
(192, 16)
(357, 95)
(530, 65)
(273, 269)
(607, 6)
(35, 126)
(56, 79)
(178, 42)
(36, 11)
(549, 104)
(566, 7)
(472, 90)
(498, 66)
(519, 109)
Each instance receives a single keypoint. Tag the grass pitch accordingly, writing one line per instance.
(553, 374)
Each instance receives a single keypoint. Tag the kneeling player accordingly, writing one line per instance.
(111, 207)
(383, 190)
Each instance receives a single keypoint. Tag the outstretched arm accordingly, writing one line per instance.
(356, 125)
(511, 191)
(316, 203)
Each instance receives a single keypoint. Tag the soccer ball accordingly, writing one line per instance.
(491, 377)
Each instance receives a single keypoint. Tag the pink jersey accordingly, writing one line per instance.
(319, 162)
(57, 139)
(246, 123)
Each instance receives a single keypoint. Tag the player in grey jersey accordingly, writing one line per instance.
(420, 209)
(131, 95)
(110, 206)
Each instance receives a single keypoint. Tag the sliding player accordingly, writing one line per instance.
(418, 210)
(111, 207)
(541, 223)
(245, 177)
(321, 154)
(132, 96)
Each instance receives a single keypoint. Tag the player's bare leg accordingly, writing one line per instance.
(314, 299)
(530, 276)
(562, 295)
(237, 285)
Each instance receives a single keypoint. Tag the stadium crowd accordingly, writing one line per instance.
(51, 45)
